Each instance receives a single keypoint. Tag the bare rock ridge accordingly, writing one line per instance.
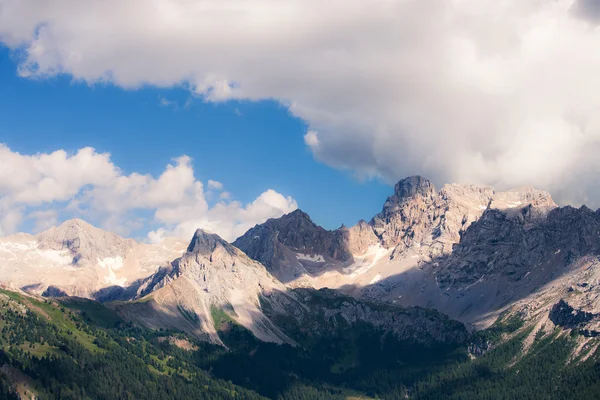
(414, 186)
(214, 277)
(211, 274)
(279, 242)
(465, 250)
(207, 243)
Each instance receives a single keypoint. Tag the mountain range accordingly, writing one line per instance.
(464, 281)
(466, 251)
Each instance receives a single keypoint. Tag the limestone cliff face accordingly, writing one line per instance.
(360, 237)
(406, 214)
(415, 221)
(211, 274)
(514, 244)
(466, 250)
(214, 275)
(292, 243)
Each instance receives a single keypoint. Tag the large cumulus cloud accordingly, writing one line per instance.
(502, 93)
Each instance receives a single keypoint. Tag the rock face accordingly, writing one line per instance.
(293, 245)
(562, 314)
(510, 245)
(468, 251)
(79, 259)
(465, 250)
(214, 277)
(405, 215)
(211, 275)
(324, 312)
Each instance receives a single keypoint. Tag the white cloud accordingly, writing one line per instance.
(503, 93)
(87, 184)
(44, 219)
(164, 102)
(229, 220)
(215, 185)
(312, 140)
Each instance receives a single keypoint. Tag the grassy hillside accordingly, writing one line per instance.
(78, 349)
(64, 351)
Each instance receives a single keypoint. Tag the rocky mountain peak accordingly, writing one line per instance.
(413, 186)
(296, 219)
(76, 223)
(205, 243)
(280, 242)
(297, 214)
(84, 241)
(537, 202)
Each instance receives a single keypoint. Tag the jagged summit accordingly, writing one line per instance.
(211, 273)
(205, 243)
(414, 186)
(297, 218)
(296, 214)
(426, 245)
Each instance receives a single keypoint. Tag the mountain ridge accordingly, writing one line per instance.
(429, 248)
(423, 249)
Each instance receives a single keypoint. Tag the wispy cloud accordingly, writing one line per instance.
(164, 102)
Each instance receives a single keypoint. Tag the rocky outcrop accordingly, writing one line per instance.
(467, 250)
(307, 312)
(562, 314)
(53, 291)
(292, 243)
(211, 274)
(512, 245)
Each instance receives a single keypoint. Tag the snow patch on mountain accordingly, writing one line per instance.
(317, 258)
(364, 263)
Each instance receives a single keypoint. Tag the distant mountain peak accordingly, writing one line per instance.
(413, 186)
(76, 223)
(205, 243)
(297, 214)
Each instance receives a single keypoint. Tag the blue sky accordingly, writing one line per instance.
(502, 95)
(248, 146)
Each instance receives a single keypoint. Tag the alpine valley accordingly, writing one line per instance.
(459, 293)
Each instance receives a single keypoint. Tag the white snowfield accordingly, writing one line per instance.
(317, 258)
(14, 251)
(364, 263)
